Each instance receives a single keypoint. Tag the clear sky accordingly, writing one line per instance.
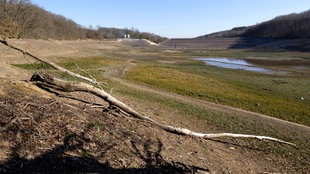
(172, 18)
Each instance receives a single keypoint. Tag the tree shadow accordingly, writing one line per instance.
(248, 42)
(57, 161)
(42, 142)
(271, 44)
(248, 145)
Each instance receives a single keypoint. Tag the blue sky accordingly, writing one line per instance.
(172, 18)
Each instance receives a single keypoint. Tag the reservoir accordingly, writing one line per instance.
(260, 65)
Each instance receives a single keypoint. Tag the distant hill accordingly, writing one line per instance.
(22, 19)
(287, 32)
(291, 26)
(235, 32)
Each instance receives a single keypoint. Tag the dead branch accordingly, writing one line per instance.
(48, 81)
(59, 68)
(98, 84)
(6, 126)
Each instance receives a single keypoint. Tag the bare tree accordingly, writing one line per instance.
(22, 19)
(283, 27)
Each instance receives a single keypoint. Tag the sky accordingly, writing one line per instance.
(172, 18)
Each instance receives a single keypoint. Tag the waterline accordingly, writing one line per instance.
(234, 64)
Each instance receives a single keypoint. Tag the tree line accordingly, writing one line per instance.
(295, 25)
(291, 26)
(22, 19)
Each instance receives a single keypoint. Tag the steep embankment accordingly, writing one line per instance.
(267, 44)
(210, 43)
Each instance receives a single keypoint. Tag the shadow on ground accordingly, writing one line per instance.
(263, 44)
(57, 161)
(40, 135)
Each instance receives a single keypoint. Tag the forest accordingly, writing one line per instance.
(291, 26)
(23, 19)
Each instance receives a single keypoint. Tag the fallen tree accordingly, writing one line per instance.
(45, 80)
(48, 81)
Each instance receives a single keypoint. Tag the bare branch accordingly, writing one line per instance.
(98, 84)
(6, 126)
(59, 68)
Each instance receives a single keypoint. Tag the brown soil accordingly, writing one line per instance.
(41, 133)
(239, 43)
(49, 134)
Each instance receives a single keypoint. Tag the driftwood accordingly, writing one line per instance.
(48, 81)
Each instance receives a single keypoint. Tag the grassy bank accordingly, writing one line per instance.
(278, 96)
(73, 64)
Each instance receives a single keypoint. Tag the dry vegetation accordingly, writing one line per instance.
(40, 127)
(51, 135)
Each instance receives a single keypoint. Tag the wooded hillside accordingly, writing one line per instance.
(22, 19)
(282, 27)
(289, 26)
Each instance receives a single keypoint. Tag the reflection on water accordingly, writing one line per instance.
(233, 64)
(261, 65)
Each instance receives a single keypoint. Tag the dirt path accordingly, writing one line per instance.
(295, 128)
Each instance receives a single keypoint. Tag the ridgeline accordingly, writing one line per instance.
(287, 32)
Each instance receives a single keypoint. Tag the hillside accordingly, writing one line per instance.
(259, 44)
(284, 33)
(22, 19)
(291, 26)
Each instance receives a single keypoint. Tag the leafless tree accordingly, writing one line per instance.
(283, 27)
(22, 19)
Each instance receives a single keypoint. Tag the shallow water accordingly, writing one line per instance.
(260, 65)
(233, 64)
